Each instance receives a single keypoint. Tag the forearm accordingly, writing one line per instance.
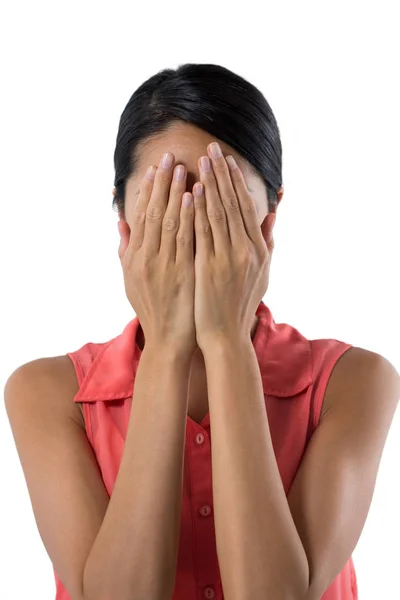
(259, 550)
(135, 553)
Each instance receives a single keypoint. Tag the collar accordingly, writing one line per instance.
(284, 357)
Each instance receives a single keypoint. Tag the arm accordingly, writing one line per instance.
(135, 552)
(123, 547)
(259, 550)
(270, 546)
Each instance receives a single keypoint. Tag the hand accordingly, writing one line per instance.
(157, 259)
(232, 259)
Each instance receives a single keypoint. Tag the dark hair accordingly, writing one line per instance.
(212, 98)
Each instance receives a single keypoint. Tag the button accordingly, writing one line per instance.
(205, 510)
(209, 592)
(199, 438)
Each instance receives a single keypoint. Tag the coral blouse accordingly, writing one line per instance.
(295, 372)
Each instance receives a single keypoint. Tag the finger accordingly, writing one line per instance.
(247, 204)
(171, 221)
(214, 208)
(140, 208)
(227, 193)
(158, 204)
(185, 236)
(202, 228)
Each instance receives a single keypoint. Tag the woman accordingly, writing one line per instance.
(115, 438)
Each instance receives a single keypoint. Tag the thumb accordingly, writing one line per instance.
(124, 232)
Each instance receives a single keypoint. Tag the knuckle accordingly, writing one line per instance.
(164, 176)
(249, 207)
(204, 228)
(139, 216)
(169, 224)
(220, 166)
(145, 266)
(245, 256)
(154, 212)
(217, 214)
(231, 201)
(182, 240)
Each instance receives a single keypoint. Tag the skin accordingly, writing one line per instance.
(271, 543)
(188, 143)
(313, 528)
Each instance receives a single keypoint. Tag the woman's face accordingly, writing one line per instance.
(188, 143)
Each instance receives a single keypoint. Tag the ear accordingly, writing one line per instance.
(124, 232)
(266, 229)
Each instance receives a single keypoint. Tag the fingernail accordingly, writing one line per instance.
(215, 150)
(151, 172)
(198, 189)
(231, 162)
(187, 199)
(167, 160)
(205, 163)
(179, 172)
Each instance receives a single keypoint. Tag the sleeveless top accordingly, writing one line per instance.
(294, 371)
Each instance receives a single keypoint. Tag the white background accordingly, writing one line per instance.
(330, 73)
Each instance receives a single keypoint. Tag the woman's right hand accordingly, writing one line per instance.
(157, 259)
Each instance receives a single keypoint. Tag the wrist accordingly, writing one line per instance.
(168, 352)
(224, 343)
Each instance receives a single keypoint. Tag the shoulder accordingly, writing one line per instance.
(48, 384)
(364, 378)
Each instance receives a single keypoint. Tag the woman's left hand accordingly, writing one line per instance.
(232, 260)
